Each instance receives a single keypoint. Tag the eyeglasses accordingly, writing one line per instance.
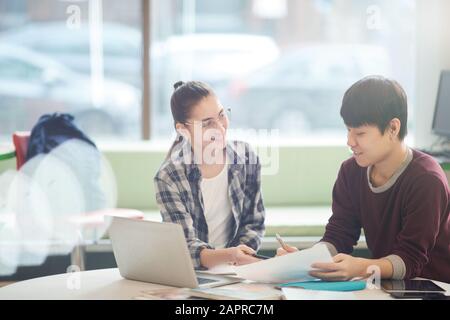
(212, 122)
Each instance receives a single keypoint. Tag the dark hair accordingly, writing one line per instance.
(185, 96)
(375, 100)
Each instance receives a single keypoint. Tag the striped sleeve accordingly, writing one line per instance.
(173, 210)
(252, 227)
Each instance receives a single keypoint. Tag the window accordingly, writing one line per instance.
(80, 57)
(281, 64)
(14, 69)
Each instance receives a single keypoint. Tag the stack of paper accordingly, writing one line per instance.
(240, 291)
(288, 268)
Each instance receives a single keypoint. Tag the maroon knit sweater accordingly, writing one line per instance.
(410, 219)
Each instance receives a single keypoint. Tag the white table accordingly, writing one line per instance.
(108, 284)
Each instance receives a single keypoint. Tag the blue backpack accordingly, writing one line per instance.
(52, 130)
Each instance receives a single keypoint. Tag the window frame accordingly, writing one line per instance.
(146, 80)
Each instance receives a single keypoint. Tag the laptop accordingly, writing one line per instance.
(157, 252)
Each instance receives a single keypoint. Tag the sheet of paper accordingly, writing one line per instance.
(223, 269)
(302, 294)
(288, 268)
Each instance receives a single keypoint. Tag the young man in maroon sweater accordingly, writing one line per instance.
(399, 196)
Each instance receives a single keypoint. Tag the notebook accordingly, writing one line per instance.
(326, 285)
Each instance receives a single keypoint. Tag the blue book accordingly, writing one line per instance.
(327, 286)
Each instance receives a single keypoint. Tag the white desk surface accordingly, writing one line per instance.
(108, 284)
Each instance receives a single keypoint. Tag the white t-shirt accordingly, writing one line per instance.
(217, 207)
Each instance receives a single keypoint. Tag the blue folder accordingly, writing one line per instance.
(327, 286)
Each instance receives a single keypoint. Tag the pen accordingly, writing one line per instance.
(260, 256)
(282, 243)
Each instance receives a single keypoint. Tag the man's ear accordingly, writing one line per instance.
(394, 127)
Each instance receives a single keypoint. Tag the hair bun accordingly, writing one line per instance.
(178, 84)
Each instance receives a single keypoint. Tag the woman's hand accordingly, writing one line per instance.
(343, 268)
(289, 249)
(239, 255)
(242, 254)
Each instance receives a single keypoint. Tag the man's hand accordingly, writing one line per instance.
(344, 268)
(289, 249)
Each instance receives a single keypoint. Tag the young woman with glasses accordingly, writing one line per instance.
(208, 185)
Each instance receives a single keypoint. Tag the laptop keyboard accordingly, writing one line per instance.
(205, 280)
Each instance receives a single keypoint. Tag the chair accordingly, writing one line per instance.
(20, 141)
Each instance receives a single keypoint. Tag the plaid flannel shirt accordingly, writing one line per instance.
(179, 198)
